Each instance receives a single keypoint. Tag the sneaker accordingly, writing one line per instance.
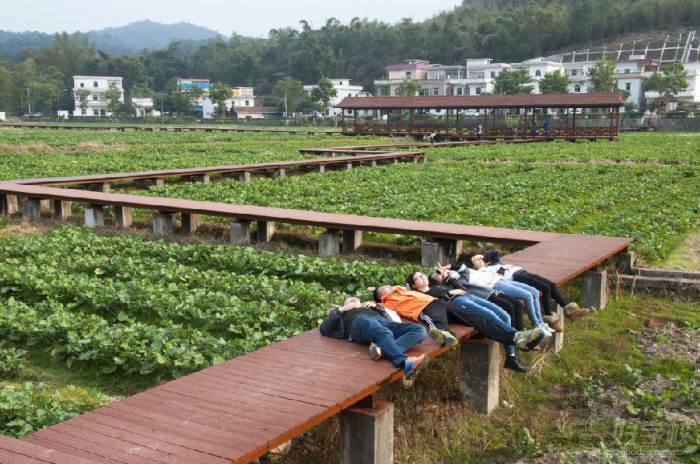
(548, 331)
(574, 312)
(555, 322)
(411, 367)
(443, 337)
(375, 352)
(513, 364)
(527, 340)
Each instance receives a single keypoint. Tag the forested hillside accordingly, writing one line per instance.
(506, 30)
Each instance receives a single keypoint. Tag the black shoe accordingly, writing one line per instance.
(513, 364)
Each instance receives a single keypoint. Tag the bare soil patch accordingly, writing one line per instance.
(92, 147)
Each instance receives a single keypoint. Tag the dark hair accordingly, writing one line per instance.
(432, 281)
(411, 277)
(375, 295)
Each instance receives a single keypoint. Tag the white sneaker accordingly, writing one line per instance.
(375, 352)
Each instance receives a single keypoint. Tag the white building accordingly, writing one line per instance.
(144, 106)
(241, 97)
(97, 101)
(343, 88)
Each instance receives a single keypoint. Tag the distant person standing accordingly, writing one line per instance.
(478, 131)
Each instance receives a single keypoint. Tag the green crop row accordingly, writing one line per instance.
(655, 205)
(135, 306)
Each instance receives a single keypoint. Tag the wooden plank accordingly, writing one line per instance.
(41, 453)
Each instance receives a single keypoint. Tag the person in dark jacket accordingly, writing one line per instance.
(371, 324)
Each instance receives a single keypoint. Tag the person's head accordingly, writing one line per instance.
(492, 257)
(417, 280)
(478, 261)
(382, 291)
(435, 279)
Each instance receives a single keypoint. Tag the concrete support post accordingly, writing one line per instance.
(104, 188)
(62, 209)
(31, 209)
(367, 434)
(594, 291)
(624, 262)
(556, 343)
(266, 230)
(205, 178)
(240, 233)
(244, 176)
(280, 173)
(94, 216)
(8, 204)
(440, 251)
(348, 167)
(162, 223)
(322, 169)
(374, 163)
(159, 181)
(189, 223)
(45, 206)
(352, 240)
(329, 244)
(479, 372)
(124, 216)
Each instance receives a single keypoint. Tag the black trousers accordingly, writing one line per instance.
(548, 288)
(512, 306)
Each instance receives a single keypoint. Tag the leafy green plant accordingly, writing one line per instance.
(11, 361)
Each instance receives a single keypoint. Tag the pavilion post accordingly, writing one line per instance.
(410, 121)
(532, 119)
(354, 113)
(342, 120)
(573, 125)
(457, 128)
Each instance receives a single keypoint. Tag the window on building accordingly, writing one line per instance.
(538, 73)
(436, 91)
(82, 85)
(384, 91)
(459, 90)
(466, 90)
(628, 86)
(95, 112)
(574, 72)
(408, 74)
(103, 113)
(349, 95)
(83, 111)
(94, 97)
(397, 92)
(627, 70)
(478, 91)
(95, 84)
(341, 82)
(493, 73)
(423, 92)
(577, 88)
(247, 103)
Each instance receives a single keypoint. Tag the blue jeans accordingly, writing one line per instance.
(530, 295)
(393, 338)
(490, 310)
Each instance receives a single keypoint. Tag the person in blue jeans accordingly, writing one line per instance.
(376, 326)
(474, 305)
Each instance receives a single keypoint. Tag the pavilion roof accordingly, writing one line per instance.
(565, 100)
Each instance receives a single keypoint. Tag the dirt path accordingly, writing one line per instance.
(687, 256)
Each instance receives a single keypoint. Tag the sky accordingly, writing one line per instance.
(246, 17)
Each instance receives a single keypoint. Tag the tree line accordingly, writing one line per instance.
(505, 30)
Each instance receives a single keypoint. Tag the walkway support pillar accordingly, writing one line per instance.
(594, 291)
(94, 216)
(556, 342)
(439, 251)
(266, 229)
(240, 233)
(367, 434)
(162, 223)
(189, 223)
(62, 209)
(352, 240)
(31, 209)
(480, 361)
(8, 204)
(124, 216)
(329, 244)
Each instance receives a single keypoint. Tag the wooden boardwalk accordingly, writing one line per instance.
(239, 410)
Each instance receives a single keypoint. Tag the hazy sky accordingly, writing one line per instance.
(247, 17)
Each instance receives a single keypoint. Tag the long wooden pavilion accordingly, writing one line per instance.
(549, 116)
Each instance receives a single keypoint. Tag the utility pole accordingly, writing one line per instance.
(29, 102)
